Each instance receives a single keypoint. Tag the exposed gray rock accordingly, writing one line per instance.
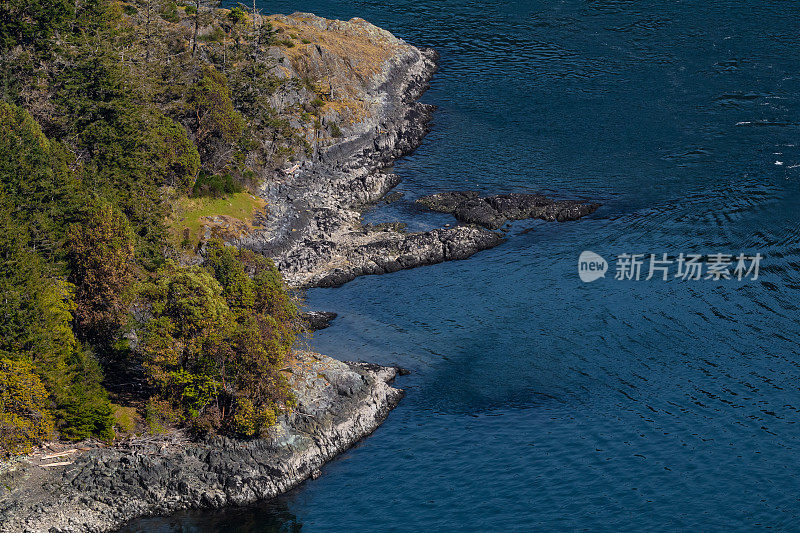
(494, 211)
(317, 320)
(337, 404)
(398, 251)
(447, 202)
(313, 229)
(479, 211)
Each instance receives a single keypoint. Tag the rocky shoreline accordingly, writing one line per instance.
(99, 488)
(313, 229)
(314, 232)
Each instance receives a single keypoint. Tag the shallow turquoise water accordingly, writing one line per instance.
(538, 402)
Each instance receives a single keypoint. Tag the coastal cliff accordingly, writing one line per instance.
(313, 224)
(91, 487)
(101, 488)
(362, 84)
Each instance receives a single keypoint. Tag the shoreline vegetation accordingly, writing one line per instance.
(120, 120)
(172, 174)
(138, 139)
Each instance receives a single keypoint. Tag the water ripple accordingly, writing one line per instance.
(537, 402)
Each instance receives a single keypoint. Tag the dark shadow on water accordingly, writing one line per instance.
(266, 517)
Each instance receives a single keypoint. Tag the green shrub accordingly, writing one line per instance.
(335, 130)
(216, 35)
(237, 15)
(217, 339)
(210, 100)
(248, 421)
(229, 271)
(170, 12)
(194, 391)
(24, 416)
(124, 419)
(215, 185)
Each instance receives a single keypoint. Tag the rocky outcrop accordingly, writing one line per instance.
(494, 211)
(99, 489)
(317, 320)
(395, 252)
(313, 229)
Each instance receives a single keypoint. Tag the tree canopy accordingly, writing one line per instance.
(109, 119)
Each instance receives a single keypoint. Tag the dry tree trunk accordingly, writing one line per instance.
(196, 24)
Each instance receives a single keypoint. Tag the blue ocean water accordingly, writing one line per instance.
(537, 401)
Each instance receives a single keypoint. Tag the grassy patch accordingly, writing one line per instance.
(125, 419)
(366, 51)
(193, 213)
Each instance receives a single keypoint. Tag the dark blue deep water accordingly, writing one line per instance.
(538, 402)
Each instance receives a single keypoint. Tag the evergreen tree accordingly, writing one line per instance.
(101, 259)
(33, 21)
(34, 174)
(36, 327)
(83, 408)
(35, 310)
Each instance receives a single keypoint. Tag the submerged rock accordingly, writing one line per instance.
(392, 197)
(494, 211)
